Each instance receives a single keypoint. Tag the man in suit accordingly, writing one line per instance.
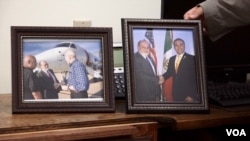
(182, 68)
(147, 83)
(49, 82)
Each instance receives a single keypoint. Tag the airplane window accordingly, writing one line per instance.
(63, 45)
(73, 46)
(70, 45)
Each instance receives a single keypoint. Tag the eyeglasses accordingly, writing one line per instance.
(143, 47)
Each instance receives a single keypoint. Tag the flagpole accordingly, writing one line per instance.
(149, 35)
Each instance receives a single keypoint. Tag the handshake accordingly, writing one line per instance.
(57, 85)
(161, 79)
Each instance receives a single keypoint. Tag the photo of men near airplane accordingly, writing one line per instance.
(52, 51)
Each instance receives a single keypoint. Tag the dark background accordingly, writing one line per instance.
(227, 59)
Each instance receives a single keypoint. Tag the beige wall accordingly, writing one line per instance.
(102, 13)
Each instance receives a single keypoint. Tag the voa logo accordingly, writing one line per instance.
(236, 132)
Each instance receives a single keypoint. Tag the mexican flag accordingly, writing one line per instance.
(167, 85)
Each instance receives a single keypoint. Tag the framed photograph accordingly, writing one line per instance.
(62, 69)
(164, 66)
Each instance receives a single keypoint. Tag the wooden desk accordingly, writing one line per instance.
(77, 126)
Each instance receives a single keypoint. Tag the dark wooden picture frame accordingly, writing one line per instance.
(147, 90)
(91, 46)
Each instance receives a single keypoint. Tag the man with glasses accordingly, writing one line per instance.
(49, 83)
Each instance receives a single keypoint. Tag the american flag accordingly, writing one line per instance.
(150, 37)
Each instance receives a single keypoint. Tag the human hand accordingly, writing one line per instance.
(64, 87)
(62, 83)
(196, 13)
(37, 95)
(189, 99)
(57, 85)
(161, 79)
(72, 88)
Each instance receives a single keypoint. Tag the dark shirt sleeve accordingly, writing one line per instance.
(34, 83)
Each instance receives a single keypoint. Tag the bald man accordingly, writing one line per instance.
(30, 80)
(78, 82)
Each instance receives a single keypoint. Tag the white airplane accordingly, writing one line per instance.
(56, 60)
